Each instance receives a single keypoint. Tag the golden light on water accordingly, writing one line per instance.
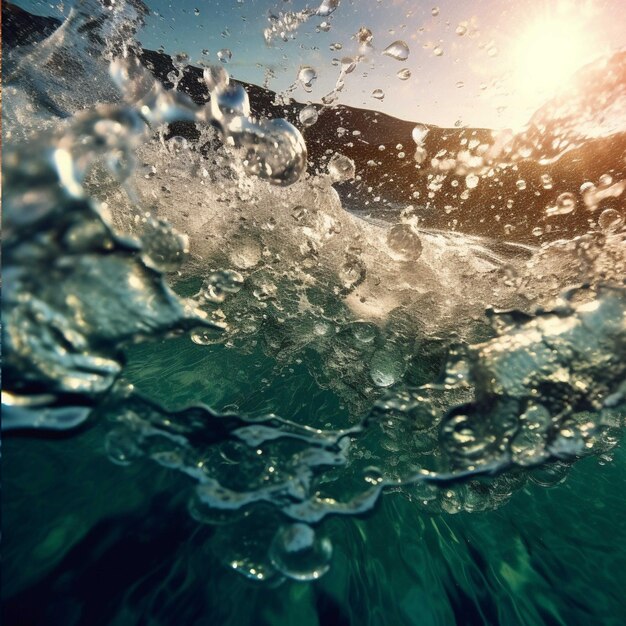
(549, 51)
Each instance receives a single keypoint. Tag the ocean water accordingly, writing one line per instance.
(237, 393)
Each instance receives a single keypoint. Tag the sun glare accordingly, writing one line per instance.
(549, 52)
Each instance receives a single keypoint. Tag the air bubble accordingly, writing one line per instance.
(299, 553)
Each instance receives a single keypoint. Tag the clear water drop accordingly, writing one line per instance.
(565, 203)
(404, 74)
(364, 36)
(397, 50)
(219, 284)
(327, 7)
(341, 168)
(379, 94)
(610, 220)
(308, 115)
(419, 133)
(306, 77)
(224, 55)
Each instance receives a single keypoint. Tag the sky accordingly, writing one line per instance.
(485, 63)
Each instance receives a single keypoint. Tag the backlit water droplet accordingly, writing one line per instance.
(565, 203)
(307, 76)
(397, 50)
(610, 220)
(327, 7)
(419, 133)
(224, 55)
(471, 181)
(341, 168)
(364, 36)
(404, 74)
(308, 115)
(379, 94)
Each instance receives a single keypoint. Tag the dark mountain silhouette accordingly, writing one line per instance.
(574, 138)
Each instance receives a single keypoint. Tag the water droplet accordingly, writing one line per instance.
(521, 184)
(403, 240)
(537, 231)
(460, 84)
(420, 155)
(215, 77)
(364, 36)
(419, 133)
(162, 247)
(324, 27)
(461, 29)
(471, 181)
(348, 65)
(306, 76)
(438, 51)
(404, 74)
(605, 180)
(341, 168)
(434, 11)
(224, 55)
(379, 94)
(546, 181)
(196, 11)
(308, 115)
(610, 220)
(327, 7)
(397, 50)
(299, 553)
(386, 367)
(565, 203)
(207, 336)
(219, 284)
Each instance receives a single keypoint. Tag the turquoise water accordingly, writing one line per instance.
(229, 399)
(86, 541)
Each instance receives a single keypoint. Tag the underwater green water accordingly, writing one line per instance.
(88, 542)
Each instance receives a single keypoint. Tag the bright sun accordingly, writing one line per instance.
(549, 52)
